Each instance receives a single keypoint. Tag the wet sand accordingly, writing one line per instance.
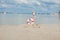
(23, 32)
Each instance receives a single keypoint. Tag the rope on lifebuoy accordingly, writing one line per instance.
(30, 21)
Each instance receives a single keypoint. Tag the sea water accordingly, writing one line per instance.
(17, 19)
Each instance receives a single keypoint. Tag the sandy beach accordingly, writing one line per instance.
(21, 32)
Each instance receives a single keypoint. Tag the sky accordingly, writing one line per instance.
(27, 6)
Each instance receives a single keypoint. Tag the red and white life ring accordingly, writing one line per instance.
(30, 21)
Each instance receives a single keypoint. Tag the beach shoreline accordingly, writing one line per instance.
(21, 32)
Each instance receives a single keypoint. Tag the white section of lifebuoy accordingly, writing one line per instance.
(28, 20)
(32, 19)
(32, 22)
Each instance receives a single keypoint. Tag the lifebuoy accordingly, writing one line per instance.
(30, 21)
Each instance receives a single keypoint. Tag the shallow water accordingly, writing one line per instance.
(14, 19)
